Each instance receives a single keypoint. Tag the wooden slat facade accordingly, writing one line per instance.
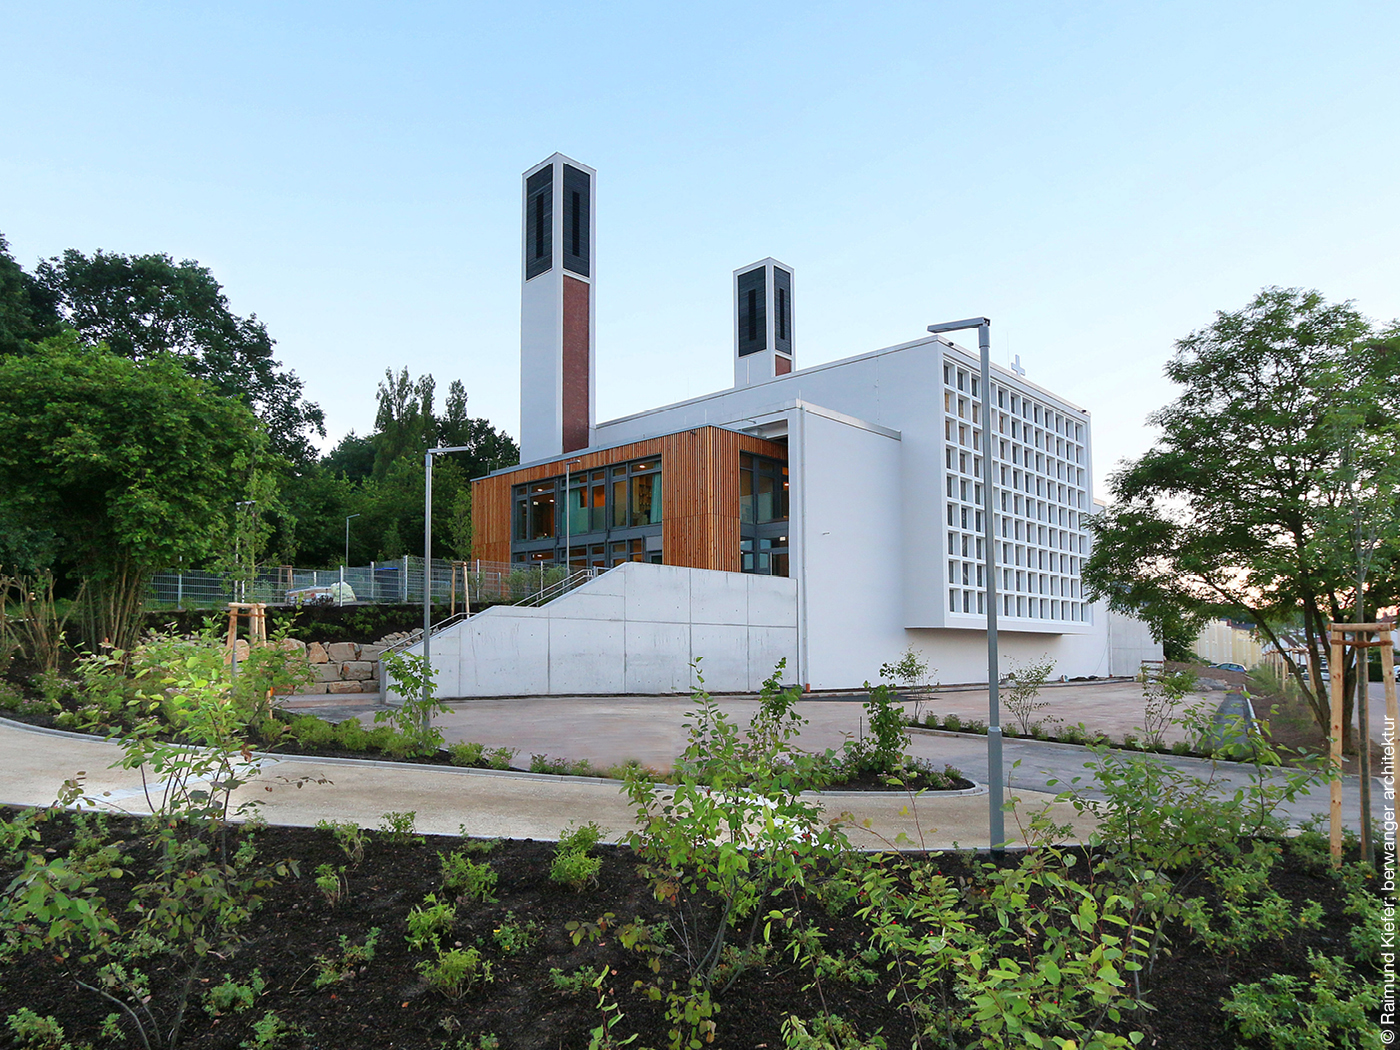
(699, 494)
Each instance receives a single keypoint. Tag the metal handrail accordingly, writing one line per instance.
(561, 587)
(541, 597)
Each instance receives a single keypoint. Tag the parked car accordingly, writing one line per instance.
(1232, 667)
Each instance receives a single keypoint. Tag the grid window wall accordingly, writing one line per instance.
(1040, 460)
(614, 515)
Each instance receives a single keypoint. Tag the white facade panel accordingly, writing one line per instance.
(851, 531)
(541, 367)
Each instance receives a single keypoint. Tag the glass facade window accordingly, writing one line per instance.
(614, 514)
(763, 515)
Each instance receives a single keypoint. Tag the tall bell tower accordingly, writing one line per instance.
(763, 338)
(558, 395)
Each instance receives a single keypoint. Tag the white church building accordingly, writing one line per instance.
(828, 515)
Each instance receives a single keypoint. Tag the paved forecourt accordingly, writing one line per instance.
(299, 792)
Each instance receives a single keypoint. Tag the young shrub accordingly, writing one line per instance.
(1288, 1013)
(733, 831)
(272, 1033)
(573, 866)
(455, 973)
(913, 673)
(350, 837)
(400, 828)
(1162, 694)
(411, 679)
(883, 750)
(36, 1033)
(351, 735)
(466, 878)
(352, 959)
(429, 922)
(468, 755)
(575, 983)
(513, 936)
(1021, 695)
(826, 1032)
(500, 757)
(331, 883)
(233, 997)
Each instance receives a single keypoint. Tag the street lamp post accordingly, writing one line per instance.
(346, 562)
(994, 759)
(428, 572)
(568, 518)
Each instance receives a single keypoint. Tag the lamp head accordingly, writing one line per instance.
(958, 326)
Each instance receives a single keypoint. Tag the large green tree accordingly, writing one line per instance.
(28, 312)
(145, 305)
(1271, 495)
(130, 465)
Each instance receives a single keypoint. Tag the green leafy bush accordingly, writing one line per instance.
(467, 878)
(455, 973)
(351, 735)
(513, 936)
(470, 755)
(233, 997)
(352, 958)
(429, 922)
(1325, 1012)
(734, 829)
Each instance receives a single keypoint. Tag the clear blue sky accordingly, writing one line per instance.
(1098, 178)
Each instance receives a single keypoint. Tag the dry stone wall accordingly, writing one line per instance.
(339, 667)
(344, 667)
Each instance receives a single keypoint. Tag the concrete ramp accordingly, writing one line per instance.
(634, 629)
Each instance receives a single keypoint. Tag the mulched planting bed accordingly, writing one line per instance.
(386, 1003)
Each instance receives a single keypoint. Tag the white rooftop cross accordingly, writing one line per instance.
(1017, 367)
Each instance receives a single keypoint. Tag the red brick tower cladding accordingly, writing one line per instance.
(576, 365)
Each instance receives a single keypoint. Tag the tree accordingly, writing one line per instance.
(145, 305)
(1275, 471)
(404, 424)
(27, 311)
(131, 465)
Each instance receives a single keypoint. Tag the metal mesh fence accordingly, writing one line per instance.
(397, 581)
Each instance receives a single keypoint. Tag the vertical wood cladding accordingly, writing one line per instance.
(539, 222)
(576, 365)
(699, 495)
(753, 311)
(576, 211)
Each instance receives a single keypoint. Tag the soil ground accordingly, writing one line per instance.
(386, 1004)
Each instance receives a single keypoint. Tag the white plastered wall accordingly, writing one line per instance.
(634, 629)
(846, 536)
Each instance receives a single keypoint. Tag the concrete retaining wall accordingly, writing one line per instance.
(634, 629)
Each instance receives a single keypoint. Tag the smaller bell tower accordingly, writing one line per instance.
(763, 326)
